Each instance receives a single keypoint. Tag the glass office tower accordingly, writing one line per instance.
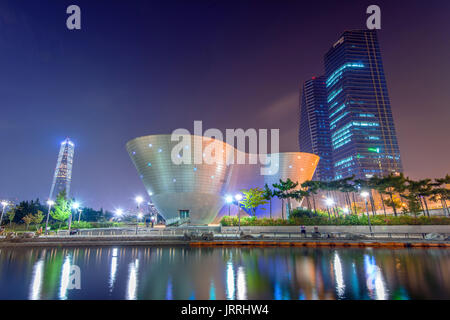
(314, 133)
(363, 139)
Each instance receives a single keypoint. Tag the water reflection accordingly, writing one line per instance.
(340, 286)
(112, 275)
(226, 273)
(36, 282)
(132, 280)
(65, 278)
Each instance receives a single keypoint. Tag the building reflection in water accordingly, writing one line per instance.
(226, 273)
(340, 286)
(374, 279)
(241, 284)
(65, 278)
(230, 281)
(36, 280)
(132, 280)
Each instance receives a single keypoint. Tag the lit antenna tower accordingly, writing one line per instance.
(63, 171)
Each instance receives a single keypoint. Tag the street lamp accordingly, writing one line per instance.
(365, 194)
(238, 198)
(75, 206)
(329, 202)
(50, 203)
(229, 200)
(4, 204)
(79, 214)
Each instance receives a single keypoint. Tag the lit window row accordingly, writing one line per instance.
(335, 76)
(334, 94)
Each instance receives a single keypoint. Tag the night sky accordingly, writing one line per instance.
(148, 67)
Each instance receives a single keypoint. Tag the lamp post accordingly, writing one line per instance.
(75, 206)
(238, 198)
(4, 204)
(229, 200)
(50, 203)
(365, 194)
(79, 214)
(138, 200)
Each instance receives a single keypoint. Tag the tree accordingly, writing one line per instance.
(62, 209)
(253, 198)
(268, 195)
(441, 193)
(283, 191)
(37, 218)
(346, 187)
(28, 219)
(420, 189)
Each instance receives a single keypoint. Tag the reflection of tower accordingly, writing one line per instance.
(63, 171)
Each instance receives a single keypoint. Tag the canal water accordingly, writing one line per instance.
(224, 273)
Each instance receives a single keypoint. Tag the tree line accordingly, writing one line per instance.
(395, 191)
(33, 212)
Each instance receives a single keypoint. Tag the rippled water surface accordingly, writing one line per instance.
(224, 273)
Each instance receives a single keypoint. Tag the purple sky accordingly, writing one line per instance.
(144, 67)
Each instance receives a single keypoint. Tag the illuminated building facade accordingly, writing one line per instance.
(63, 170)
(314, 131)
(363, 138)
(196, 192)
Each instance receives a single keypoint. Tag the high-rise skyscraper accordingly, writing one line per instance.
(363, 138)
(314, 132)
(63, 171)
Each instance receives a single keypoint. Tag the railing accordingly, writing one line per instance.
(178, 233)
(331, 235)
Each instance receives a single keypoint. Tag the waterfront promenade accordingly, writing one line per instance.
(352, 236)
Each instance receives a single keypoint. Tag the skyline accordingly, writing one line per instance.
(104, 85)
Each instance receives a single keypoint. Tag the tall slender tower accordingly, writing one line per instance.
(63, 171)
(314, 133)
(363, 138)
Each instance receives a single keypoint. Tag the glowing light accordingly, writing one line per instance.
(364, 194)
(346, 210)
(36, 282)
(4, 203)
(238, 197)
(75, 205)
(119, 212)
(374, 279)
(140, 216)
(139, 200)
(229, 199)
(329, 202)
(50, 202)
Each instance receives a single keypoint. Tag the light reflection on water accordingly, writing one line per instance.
(226, 273)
